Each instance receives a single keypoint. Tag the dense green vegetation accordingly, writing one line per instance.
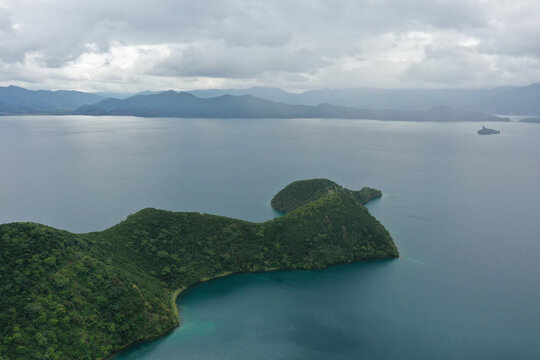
(84, 296)
(302, 192)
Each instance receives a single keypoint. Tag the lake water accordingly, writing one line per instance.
(463, 210)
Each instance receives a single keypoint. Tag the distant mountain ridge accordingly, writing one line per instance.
(187, 105)
(17, 100)
(531, 120)
(522, 100)
(266, 102)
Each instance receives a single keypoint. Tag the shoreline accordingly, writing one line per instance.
(174, 297)
(176, 293)
(503, 120)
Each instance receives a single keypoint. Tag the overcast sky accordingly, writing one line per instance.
(119, 45)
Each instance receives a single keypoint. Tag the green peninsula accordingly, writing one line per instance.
(86, 296)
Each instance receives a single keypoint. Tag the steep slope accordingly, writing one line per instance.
(84, 296)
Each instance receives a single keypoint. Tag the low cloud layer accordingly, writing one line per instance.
(132, 46)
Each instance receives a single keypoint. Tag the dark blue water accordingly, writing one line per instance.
(463, 210)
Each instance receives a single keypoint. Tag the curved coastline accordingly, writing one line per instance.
(118, 287)
(174, 299)
(177, 293)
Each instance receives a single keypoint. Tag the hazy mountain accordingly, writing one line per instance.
(105, 95)
(502, 100)
(17, 100)
(268, 93)
(531, 120)
(183, 104)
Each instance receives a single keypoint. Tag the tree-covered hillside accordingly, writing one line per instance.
(84, 296)
(302, 192)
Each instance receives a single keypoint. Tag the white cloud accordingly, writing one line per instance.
(131, 46)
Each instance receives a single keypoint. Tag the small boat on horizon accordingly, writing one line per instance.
(486, 131)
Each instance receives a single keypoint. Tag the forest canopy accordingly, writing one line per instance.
(85, 296)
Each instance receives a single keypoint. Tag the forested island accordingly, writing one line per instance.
(86, 296)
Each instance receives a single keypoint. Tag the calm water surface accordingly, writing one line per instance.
(463, 210)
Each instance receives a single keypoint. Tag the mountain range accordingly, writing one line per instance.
(523, 100)
(266, 102)
(187, 105)
(17, 100)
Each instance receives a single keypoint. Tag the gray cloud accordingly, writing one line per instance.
(219, 59)
(124, 46)
(6, 21)
(455, 65)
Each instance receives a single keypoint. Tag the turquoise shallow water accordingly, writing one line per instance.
(463, 210)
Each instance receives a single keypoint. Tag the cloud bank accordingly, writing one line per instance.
(132, 46)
